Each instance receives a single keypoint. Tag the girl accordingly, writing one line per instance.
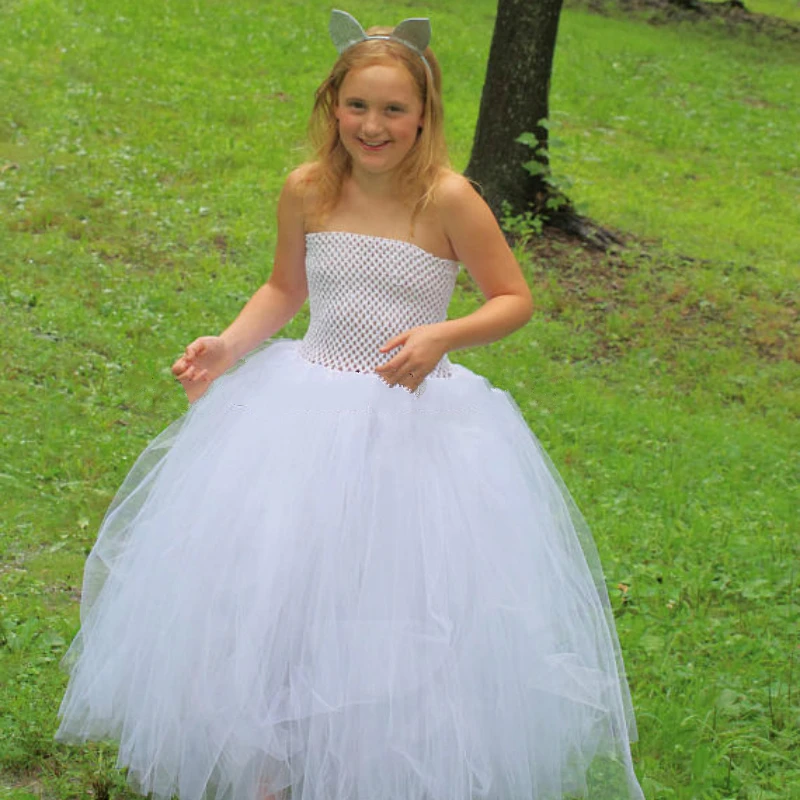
(350, 572)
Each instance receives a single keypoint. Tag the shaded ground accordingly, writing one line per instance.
(733, 14)
(628, 299)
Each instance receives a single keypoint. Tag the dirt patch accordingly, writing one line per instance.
(635, 297)
(733, 14)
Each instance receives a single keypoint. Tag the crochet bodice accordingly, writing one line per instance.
(365, 289)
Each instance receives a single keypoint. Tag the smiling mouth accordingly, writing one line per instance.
(372, 146)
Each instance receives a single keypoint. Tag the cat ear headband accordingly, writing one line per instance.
(414, 33)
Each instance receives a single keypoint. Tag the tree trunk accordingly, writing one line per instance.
(514, 101)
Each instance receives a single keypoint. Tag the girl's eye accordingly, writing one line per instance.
(396, 109)
(355, 104)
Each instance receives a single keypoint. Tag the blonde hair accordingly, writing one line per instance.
(422, 165)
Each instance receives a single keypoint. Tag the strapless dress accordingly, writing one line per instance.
(319, 583)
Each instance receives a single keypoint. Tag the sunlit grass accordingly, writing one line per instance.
(665, 132)
(785, 9)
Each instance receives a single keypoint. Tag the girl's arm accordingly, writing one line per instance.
(282, 296)
(480, 246)
(267, 311)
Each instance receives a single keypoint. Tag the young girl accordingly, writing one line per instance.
(350, 572)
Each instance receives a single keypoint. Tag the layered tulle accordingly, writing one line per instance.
(317, 581)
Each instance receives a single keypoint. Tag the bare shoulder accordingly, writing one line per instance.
(453, 192)
(299, 182)
(476, 238)
(288, 271)
(462, 211)
(448, 180)
(467, 220)
(297, 198)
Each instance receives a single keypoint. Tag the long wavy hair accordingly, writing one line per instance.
(332, 164)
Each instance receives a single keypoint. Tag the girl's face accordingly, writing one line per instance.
(380, 113)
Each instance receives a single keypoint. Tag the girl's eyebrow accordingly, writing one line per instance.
(356, 99)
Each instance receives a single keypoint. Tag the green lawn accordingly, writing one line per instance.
(142, 145)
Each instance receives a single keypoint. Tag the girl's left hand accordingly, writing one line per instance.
(422, 349)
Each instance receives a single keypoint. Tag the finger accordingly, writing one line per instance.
(414, 381)
(194, 377)
(416, 375)
(406, 376)
(391, 376)
(195, 349)
(395, 341)
(395, 363)
(183, 372)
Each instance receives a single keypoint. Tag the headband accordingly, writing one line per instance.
(414, 33)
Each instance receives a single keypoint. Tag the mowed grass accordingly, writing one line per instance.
(142, 146)
(708, 132)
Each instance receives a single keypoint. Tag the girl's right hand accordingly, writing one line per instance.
(204, 360)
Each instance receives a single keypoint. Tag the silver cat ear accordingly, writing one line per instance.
(414, 32)
(345, 30)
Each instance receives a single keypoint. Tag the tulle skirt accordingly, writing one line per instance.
(318, 583)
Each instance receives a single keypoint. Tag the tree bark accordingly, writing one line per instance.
(514, 101)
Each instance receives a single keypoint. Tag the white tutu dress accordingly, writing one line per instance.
(319, 582)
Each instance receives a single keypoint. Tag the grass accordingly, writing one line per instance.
(142, 146)
(708, 134)
(778, 8)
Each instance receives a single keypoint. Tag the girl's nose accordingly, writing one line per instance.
(371, 123)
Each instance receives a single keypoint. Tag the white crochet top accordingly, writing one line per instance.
(365, 289)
